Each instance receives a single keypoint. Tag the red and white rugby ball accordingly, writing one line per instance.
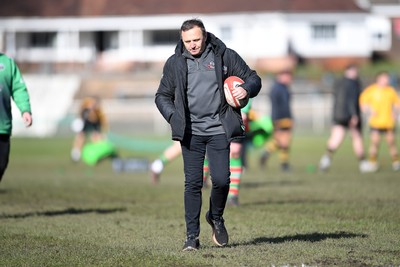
(229, 84)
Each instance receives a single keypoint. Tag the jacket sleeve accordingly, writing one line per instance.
(19, 93)
(165, 95)
(252, 82)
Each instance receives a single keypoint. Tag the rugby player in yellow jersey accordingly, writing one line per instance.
(381, 103)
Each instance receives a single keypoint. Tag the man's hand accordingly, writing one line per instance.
(239, 92)
(27, 118)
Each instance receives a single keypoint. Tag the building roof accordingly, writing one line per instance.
(384, 2)
(78, 8)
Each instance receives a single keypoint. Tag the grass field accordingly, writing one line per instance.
(56, 213)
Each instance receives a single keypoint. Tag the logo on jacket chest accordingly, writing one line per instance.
(210, 65)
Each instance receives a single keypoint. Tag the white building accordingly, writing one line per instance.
(125, 34)
(263, 37)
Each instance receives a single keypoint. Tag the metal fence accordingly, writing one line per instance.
(311, 111)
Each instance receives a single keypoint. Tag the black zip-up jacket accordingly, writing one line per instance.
(280, 101)
(171, 98)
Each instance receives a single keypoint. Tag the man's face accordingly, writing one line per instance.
(285, 78)
(352, 73)
(194, 41)
(383, 80)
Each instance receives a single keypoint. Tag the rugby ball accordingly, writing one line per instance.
(229, 84)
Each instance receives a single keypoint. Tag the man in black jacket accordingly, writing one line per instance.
(346, 116)
(191, 99)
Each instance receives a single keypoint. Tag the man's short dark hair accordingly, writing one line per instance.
(191, 23)
(285, 71)
(351, 66)
(380, 73)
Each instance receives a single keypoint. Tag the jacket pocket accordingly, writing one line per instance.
(233, 124)
(176, 123)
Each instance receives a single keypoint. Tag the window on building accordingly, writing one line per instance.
(161, 37)
(324, 32)
(42, 39)
(380, 39)
(106, 40)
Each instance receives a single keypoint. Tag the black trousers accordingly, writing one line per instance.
(194, 148)
(4, 153)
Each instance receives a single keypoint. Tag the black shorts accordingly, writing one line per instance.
(89, 127)
(285, 124)
(381, 130)
(346, 123)
(238, 140)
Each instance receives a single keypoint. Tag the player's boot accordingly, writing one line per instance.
(396, 165)
(364, 166)
(156, 168)
(263, 158)
(370, 166)
(75, 154)
(285, 167)
(233, 201)
(324, 163)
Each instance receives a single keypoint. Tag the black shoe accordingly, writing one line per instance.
(192, 243)
(263, 159)
(285, 167)
(233, 201)
(219, 235)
